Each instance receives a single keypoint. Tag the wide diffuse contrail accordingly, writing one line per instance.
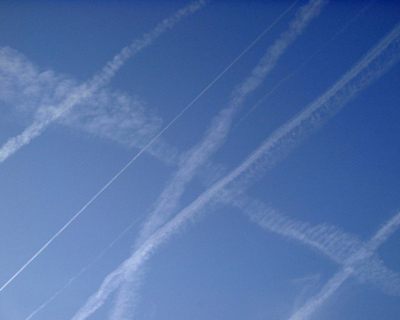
(349, 269)
(198, 155)
(48, 114)
(380, 59)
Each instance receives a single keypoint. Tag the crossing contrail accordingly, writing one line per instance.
(215, 136)
(221, 124)
(165, 24)
(348, 269)
(197, 156)
(83, 92)
(48, 114)
(331, 241)
(377, 61)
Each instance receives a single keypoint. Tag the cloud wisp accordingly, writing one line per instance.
(378, 60)
(48, 114)
(350, 268)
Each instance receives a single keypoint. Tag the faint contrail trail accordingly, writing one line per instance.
(143, 149)
(220, 126)
(329, 240)
(348, 270)
(378, 60)
(305, 63)
(167, 202)
(168, 199)
(48, 114)
(83, 270)
(86, 90)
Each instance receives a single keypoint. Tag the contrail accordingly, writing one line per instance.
(143, 149)
(277, 146)
(216, 134)
(84, 269)
(305, 63)
(337, 245)
(48, 114)
(348, 270)
(86, 90)
(219, 129)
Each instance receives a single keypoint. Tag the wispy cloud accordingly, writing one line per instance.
(47, 114)
(349, 269)
(276, 147)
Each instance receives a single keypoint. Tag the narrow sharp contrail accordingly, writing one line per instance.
(348, 270)
(168, 199)
(220, 127)
(378, 60)
(83, 270)
(86, 90)
(218, 131)
(48, 114)
(166, 24)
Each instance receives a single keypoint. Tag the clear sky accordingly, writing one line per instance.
(199, 160)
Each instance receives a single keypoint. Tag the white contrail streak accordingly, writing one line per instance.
(173, 187)
(339, 246)
(348, 270)
(48, 114)
(374, 64)
(305, 63)
(217, 133)
(83, 270)
(86, 90)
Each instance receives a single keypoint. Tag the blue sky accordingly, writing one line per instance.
(202, 160)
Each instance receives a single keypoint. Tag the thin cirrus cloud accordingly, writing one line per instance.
(374, 64)
(47, 114)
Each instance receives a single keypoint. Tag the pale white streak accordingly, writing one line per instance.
(107, 114)
(83, 270)
(278, 145)
(329, 240)
(110, 69)
(348, 270)
(168, 199)
(217, 133)
(305, 63)
(219, 129)
(332, 285)
(48, 114)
